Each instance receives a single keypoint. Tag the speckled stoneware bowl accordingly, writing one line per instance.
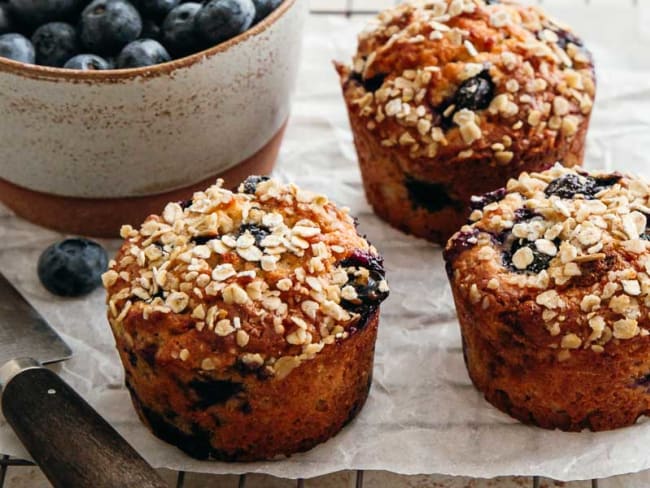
(84, 152)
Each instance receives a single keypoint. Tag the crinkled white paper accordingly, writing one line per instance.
(423, 415)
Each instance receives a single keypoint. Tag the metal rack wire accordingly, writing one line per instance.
(347, 8)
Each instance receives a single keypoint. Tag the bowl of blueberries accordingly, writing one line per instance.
(110, 108)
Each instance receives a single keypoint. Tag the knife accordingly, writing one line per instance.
(71, 443)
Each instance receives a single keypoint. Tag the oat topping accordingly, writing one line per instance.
(266, 277)
(576, 243)
(435, 73)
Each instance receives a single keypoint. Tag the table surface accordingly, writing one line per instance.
(30, 477)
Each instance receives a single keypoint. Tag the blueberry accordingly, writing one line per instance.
(38, 12)
(250, 184)
(264, 8)
(540, 262)
(259, 232)
(155, 9)
(369, 295)
(55, 43)
(151, 30)
(457, 245)
(5, 19)
(72, 267)
(87, 62)
(564, 38)
(143, 52)
(16, 47)
(371, 84)
(478, 203)
(474, 93)
(570, 185)
(179, 34)
(432, 197)
(107, 26)
(220, 20)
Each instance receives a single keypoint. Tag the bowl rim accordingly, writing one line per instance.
(48, 72)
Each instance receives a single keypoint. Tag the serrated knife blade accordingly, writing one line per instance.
(24, 333)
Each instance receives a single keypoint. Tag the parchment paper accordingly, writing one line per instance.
(423, 415)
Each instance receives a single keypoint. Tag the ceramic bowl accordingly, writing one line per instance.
(84, 152)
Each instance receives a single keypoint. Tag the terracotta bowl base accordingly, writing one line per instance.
(103, 217)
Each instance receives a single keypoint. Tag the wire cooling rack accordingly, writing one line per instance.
(347, 8)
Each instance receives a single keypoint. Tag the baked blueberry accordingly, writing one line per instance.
(143, 52)
(478, 203)
(250, 184)
(264, 8)
(369, 287)
(179, 34)
(5, 19)
(540, 260)
(72, 267)
(107, 26)
(155, 9)
(570, 185)
(55, 43)
(16, 47)
(259, 232)
(87, 62)
(474, 93)
(429, 196)
(38, 12)
(220, 20)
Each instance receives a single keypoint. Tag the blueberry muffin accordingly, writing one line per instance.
(552, 289)
(449, 99)
(246, 322)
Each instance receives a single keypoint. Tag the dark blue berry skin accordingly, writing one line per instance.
(540, 262)
(478, 203)
(264, 8)
(249, 185)
(220, 20)
(155, 9)
(151, 30)
(6, 25)
(368, 294)
(73, 267)
(38, 12)
(259, 232)
(87, 62)
(179, 34)
(570, 185)
(55, 43)
(143, 52)
(107, 26)
(17, 47)
(475, 93)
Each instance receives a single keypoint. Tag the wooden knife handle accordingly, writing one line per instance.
(72, 444)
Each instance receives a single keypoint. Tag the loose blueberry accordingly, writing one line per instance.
(220, 20)
(38, 12)
(107, 26)
(151, 30)
(264, 8)
(155, 9)
(87, 62)
(474, 93)
(5, 19)
(55, 43)
(250, 184)
(478, 203)
(259, 232)
(16, 47)
(72, 267)
(429, 196)
(570, 185)
(143, 52)
(179, 34)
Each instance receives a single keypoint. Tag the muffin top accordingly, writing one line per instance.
(259, 280)
(461, 78)
(563, 255)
